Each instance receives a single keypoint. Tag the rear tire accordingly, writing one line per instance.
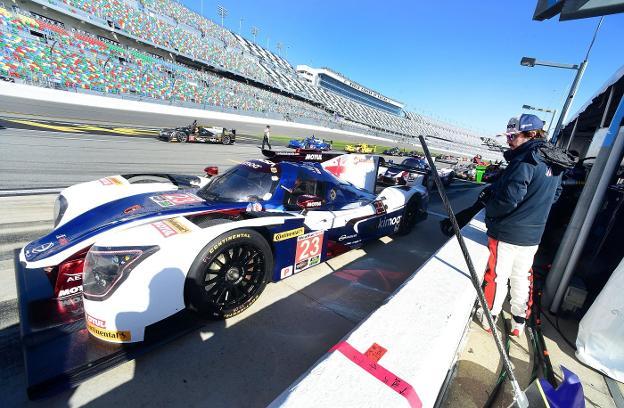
(229, 274)
(226, 140)
(412, 213)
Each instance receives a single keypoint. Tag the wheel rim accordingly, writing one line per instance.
(226, 140)
(234, 276)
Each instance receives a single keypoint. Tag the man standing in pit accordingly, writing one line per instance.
(516, 210)
(267, 136)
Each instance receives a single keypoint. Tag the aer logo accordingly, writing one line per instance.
(74, 277)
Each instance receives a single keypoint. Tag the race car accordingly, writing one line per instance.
(360, 148)
(310, 143)
(198, 133)
(395, 151)
(412, 171)
(144, 247)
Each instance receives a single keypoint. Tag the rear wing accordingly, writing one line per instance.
(357, 169)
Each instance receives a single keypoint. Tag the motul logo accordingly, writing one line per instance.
(314, 157)
(70, 291)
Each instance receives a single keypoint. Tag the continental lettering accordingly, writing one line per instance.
(283, 236)
(123, 335)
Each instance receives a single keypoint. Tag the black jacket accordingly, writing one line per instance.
(520, 200)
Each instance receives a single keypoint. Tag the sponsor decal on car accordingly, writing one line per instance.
(380, 208)
(286, 272)
(173, 199)
(62, 239)
(283, 236)
(95, 321)
(343, 237)
(70, 291)
(119, 335)
(309, 247)
(110, 181)
(313, 156)
(171, 227)
(393, 221)
(132, 209)
(42, 248)
(73, 277)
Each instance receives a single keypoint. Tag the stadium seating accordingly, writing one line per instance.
(49, 53)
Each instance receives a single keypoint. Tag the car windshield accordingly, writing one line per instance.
(241, 183)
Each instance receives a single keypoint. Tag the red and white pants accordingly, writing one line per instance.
(511, 264)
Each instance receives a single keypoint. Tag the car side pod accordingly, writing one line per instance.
(59, 353)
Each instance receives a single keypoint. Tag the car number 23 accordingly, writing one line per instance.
(309, 246)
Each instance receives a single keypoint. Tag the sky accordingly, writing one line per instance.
(457, 61)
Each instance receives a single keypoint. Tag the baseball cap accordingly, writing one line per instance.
(524, 123)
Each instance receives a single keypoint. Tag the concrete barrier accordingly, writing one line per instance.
(400, 355)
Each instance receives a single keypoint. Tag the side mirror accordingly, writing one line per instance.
(307, 202)
(211, 171)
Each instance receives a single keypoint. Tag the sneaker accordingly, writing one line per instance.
(517, 326)
(482, 318)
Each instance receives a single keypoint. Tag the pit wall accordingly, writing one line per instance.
(421, 326)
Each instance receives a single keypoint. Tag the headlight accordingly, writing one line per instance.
(105, 268)
(60, 206)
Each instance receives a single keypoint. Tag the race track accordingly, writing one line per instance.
(243, 362)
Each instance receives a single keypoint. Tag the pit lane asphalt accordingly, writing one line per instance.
(243, 362)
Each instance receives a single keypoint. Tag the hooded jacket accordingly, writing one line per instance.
(520, 200)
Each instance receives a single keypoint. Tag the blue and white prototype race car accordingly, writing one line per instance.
(310, 143)
(137, 249)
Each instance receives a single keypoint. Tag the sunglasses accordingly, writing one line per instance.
(512, 136)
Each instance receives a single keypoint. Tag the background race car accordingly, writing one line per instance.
(198, 133)
(310, 143)
(152, 246)
(412, 171)
(395, 151)
(360, 148)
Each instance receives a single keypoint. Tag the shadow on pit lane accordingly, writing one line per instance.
(249, 360)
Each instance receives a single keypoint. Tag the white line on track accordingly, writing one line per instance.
(437, 214)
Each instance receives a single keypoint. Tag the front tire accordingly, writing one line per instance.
(226, 140)
(229, 274)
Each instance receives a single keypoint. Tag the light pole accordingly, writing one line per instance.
(254, 32)
(580, 69)
(240, 26)
(268, 39)
(223, 12)
(553, 111)
(279, 48)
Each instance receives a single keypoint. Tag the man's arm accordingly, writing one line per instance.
(558, 191)
(510, 191)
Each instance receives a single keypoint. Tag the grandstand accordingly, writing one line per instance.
(159, 51)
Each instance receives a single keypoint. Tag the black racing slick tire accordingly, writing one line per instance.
(182, 137)
(229, 274)
(226, 140)
(412, 214)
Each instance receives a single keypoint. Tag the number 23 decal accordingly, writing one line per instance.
(309, 245)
